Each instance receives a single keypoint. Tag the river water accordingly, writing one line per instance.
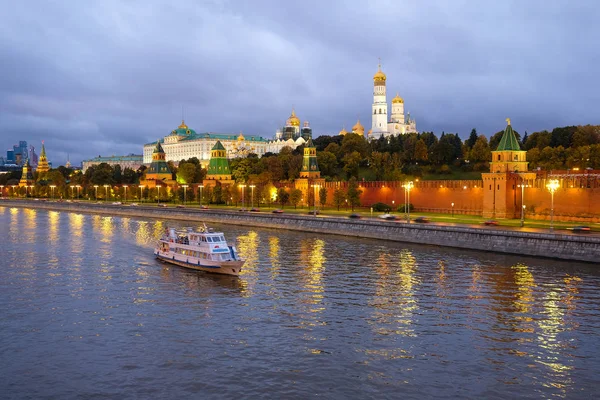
(87, 312)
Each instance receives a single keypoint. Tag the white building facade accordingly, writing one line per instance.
(383, 123)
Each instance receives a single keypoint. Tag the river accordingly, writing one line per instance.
(87, 312)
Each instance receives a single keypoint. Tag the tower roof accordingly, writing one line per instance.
(43, 152)
(293, 120)
(397, 99)
(158, 148)
(379, 75)
(358, 128)
(218, 146)
(509, 140)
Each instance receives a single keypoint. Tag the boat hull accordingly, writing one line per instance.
(223, 267)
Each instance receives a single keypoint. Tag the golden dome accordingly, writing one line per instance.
(182, 126)
(241, 137)
(379, 75)
(293, 120)
(343, 132)
(358, 128)
(397, 99)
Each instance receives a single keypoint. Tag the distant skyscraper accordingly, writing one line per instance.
(20, 152)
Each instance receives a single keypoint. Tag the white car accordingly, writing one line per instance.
(116, 203)
(390, 217)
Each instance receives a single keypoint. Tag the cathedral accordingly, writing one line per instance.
(384, 124)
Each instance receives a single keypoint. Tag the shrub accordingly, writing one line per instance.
(402, 208)
(381, 207)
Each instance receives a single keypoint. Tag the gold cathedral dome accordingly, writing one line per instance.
(397, 99)
(343, 132)
(358, 128)
(293, 120)
(379, 75)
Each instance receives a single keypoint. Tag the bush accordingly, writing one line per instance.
(381, 207)
(402, 208)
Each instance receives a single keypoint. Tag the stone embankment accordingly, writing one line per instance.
(529, 243)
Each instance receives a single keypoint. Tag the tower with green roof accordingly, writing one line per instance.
(27, 176)
(159, 169)
(508, 171)
(310, 177)
(218, 167)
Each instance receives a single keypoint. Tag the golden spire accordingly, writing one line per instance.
(508, 121)
(379, 75)
(183, 125)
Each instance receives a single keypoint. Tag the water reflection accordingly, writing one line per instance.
(274, 256)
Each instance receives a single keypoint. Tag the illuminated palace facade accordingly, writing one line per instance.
(184, 142)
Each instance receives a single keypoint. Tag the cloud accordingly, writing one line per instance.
(106, 77)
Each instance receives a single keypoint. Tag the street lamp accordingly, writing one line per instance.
(452, 210)
(252, 195)
(96, 192)
(201, 186)
(158, 193)
(522, 186)
(13, 188)
(552, 186)
(184, 193)
(242, 186)
(105, 192)
(78, 186)
(407, 187)
(52, 191)
(125, 186)
(1, 190)
(141, 188)
(31, 187)
(315, 198)
(72, 186)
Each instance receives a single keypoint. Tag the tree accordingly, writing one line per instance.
(327, 163)
(323, 196)
(295, 196)
(351, 163)
(420, 153)
(282, 197)
(338, 198)
(354, 143)
(186, 173)
(354, 193)
(481, 150)
(472, 138)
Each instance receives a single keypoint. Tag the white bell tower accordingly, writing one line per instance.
(380, 108)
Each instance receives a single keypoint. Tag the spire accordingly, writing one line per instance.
(43, 152)
(509, 140)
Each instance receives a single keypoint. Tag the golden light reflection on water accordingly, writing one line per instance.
(274, 249)
(394, 302)
(53, 223)
(525, 285)
(314, 281)
(247, 247)
(142, 234)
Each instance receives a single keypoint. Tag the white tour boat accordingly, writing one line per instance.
(204, 250)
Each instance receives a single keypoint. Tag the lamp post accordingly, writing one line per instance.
(2, 191)
(105, 192)
(315, 198)
(96, 192)
(52, 192)
(552, 186)
(13, 188)
(125, 186)
(242, 187)
(252, 196)
(158, 193)
(141, 198)
(452, 210)
(201, 186)
(78, 187)
(184, 193)
(72, 186)
(523, 186)
(407, 187)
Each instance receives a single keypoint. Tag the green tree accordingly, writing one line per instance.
(323, 196)
(295, 196)
(354, 193)
(472, 138)
(352, 163)
(338, 198)
(327, 163)
(186, 173)
(420, 153)
(282, 197)
(480, 151)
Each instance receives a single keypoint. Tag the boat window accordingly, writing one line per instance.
(222, 238)
(209, 239)
(203, 238)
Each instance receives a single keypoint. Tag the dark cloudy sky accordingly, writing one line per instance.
(104, 77)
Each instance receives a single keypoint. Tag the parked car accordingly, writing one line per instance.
(312, 212)
(581, 229)
(203, 207)
(491, 222)
(422, 220)
(354, 216)
(116, 203)
(254, 209)
(179, 206)
(389, 217)
(133, 204)
(278, 211)
(162, 205)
